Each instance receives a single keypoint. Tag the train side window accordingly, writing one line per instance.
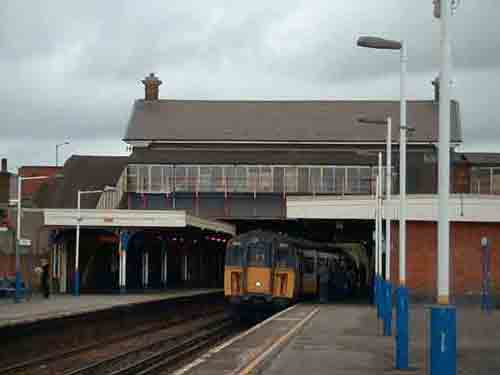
(308, 265)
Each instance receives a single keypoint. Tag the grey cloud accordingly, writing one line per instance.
(72, 69)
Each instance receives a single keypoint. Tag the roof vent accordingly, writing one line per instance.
(151, 87)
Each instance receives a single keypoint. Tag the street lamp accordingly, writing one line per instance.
(20, 179)
(76, 290)
(387, 288)
(402, 291)
(57, 151)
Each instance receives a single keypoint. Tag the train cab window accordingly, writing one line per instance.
(234, 254)
(259, 254)
(284, 256)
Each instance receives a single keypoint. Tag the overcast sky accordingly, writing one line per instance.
(70, 70)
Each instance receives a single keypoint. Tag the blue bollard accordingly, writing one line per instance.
(76, 292)
(381, 298)
(443, 340)
(123, 290)
(17, 294)
(402, 337)
(388, 309)
(375, 291)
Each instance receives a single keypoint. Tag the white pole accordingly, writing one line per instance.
(376, 225)
(402, 171)
(77, 245)
(444, 158)
(388, 177)
(379, 216)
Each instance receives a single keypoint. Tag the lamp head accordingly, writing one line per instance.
(378, 43)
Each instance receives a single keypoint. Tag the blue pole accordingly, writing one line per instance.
(381, 297)
(388, 310)
(76, 292)
(402, 336)
(17, 295)
(443, 340)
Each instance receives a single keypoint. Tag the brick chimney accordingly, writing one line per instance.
(435, 83)
(151, 87)
(4, 165)
(4, 185)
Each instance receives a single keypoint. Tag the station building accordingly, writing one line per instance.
(306, 168)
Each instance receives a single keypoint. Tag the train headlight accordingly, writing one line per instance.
(258, 284)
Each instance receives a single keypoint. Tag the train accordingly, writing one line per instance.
(266, 269)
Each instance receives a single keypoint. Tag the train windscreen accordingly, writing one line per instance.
(285, 256)
(234, 254)
(259, 254)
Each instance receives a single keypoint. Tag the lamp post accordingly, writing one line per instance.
(20, 179)
(57, 151)
(402, 292)
(443, 315)
(76, 291)
(387, 300)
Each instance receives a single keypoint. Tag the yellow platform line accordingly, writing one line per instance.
(250, 367)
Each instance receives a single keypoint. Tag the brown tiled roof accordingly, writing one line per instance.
(82, 172)
(291, 121)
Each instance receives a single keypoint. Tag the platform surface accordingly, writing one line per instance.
(346, 340)
(63, 305)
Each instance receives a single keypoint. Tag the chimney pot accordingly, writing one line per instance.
(436, 84)
(4, 165)
(151, 87)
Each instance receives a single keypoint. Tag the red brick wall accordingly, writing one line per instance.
(466, 271)
(31, 186)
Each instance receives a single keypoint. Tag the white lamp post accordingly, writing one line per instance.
(57, 151)
(443, 316)
(388, 176)
(20, 179)
(402, 292)
(76, 290)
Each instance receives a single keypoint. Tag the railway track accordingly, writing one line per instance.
(144, 361)
(45, 363)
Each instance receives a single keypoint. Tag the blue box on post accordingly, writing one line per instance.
(443, 337)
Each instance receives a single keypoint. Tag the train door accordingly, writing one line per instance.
(309, 272)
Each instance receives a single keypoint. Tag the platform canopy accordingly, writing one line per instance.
(133, 219)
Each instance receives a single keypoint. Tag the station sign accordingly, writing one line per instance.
(25, 242)
(4, 229)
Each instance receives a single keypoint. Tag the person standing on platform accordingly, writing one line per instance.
(324, 278)
(45, 278)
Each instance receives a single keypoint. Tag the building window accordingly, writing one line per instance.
(131, 178)
(206, 179)
(229, 178)
(143, 172)
(166, 179)
(240, 180)
(279, 179)
(253, 178)
(181, 179)
(266, 180)
(340, 180)
(291, 180)
(365, 176)
(352, 180)
(218, 179)
(304, 180)
(481, 180)
(193, 178)
(315, 180)
(496, 180)
(156, 180)
(328, 180)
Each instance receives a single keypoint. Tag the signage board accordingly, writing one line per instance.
(25, 242)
